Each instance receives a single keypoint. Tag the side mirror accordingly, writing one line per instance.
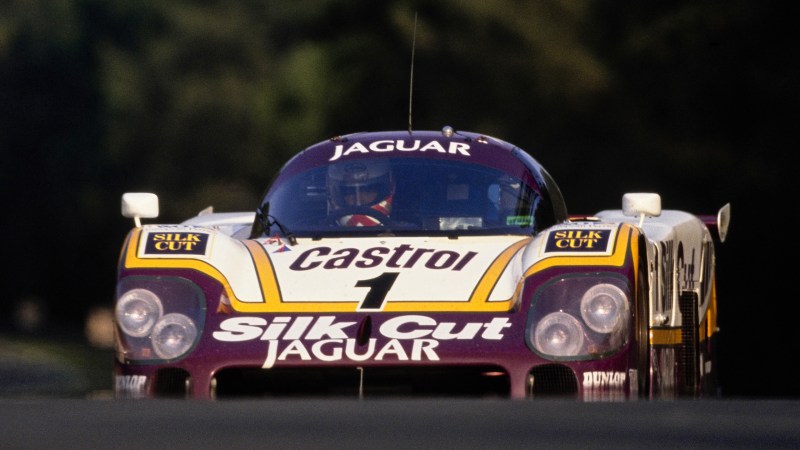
(723, 221)
(641, 204)
(139, 205)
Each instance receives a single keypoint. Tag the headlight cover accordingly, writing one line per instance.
(604, 308)
(137, 312)
(158, 318)
(173, 335)
(559, 334)
(580, 316)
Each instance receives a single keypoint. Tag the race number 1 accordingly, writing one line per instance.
(378, 288)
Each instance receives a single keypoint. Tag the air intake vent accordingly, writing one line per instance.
(552, 380)
(470, 381)
(688, 361)
(172, 383)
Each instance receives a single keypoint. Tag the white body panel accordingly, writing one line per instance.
(679, 250)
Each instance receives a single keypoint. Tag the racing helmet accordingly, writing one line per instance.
(361, 183)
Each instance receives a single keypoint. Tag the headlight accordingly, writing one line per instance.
(137, 312)
(559, 334)
(173, 335)
(604, 308)
(579, 316)
(158, 318)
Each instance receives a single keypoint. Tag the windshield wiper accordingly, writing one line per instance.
(288, 234)
(267, 221)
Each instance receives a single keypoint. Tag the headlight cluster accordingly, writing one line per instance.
(580, 316)
(159, 321)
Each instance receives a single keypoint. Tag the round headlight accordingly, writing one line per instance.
(558, 334)
(604, 308)
(173, 335)
(137, 312)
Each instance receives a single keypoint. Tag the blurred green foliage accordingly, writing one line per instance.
(203, 101)
(32, 367)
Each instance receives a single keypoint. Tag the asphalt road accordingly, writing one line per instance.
(57, 396)
(177, 424)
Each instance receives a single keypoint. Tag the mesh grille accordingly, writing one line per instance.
(552, 380)
(688, 362)
(171, 383)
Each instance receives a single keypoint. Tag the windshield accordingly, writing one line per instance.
(403, 196)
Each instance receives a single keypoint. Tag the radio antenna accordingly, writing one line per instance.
(411, 82)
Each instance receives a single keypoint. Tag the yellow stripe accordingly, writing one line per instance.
(273, 300)
(671, 336)
(492, 275)
(711, 315)
(665, 336)
(634, 237)
(270, 291)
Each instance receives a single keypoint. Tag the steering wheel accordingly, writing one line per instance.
(345, 211)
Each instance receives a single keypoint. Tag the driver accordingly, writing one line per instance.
(360, 192)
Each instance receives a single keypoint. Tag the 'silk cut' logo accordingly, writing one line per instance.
(176, 243)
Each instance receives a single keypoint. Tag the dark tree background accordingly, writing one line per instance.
(202, 102)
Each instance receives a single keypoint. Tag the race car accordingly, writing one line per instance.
(418, 264)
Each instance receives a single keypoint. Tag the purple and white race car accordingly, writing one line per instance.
(418, 264)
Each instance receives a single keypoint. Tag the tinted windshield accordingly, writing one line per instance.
(404, 196)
